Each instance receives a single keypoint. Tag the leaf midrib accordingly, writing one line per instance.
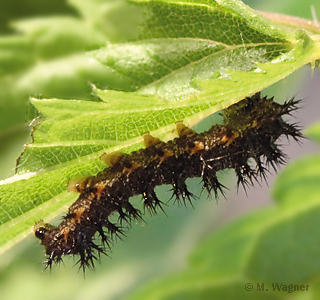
(227, 48)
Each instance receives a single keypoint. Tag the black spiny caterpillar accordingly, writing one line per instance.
(250, 131)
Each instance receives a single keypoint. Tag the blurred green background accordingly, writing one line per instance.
(166, 240)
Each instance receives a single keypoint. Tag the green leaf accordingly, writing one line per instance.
(180, 68)
(187, 41)
(314, 132)
(9, 11)
(49, 60)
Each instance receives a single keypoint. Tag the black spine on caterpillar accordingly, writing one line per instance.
(250, 131)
